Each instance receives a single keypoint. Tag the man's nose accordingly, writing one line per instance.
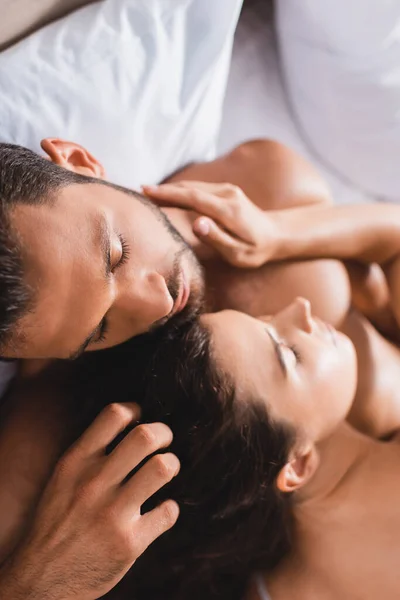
(144, 299)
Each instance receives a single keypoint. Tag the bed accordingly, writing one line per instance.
(259, 97)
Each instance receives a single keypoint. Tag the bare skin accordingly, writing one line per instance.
(227, 290)
(254, 167)
(345, 542)
(66, 550)
(332, 289)
(345, 526)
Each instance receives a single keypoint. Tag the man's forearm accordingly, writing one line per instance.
(15, 584)
(368, 233)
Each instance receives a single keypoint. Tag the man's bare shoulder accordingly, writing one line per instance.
(34, 431)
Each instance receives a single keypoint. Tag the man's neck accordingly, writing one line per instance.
(182, 220)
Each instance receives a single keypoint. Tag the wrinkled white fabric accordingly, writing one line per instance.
(140, 83)
(256, 103)
(341, 63)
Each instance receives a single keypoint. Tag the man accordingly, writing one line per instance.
(88, 265)
(106, 265)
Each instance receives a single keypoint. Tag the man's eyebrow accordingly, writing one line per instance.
(103, 240)
(278, 352)
(88, 340)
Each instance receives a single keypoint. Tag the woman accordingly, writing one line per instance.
(273, 479)
(235, 516)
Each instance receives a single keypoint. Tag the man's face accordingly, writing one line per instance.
(104, 267)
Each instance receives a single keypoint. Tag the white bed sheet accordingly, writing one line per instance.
(256, 104)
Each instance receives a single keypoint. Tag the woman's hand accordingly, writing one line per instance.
(237, 229)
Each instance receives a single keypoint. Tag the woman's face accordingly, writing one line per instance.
(303, 369)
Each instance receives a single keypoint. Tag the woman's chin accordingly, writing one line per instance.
(348, 359)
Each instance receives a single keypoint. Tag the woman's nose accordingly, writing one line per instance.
(302, 314)
(297, 314)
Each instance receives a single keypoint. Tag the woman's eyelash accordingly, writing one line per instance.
(296, 352)
(125, 250)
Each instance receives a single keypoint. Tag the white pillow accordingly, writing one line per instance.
(341, 64)
(256, 103)
(140, 83)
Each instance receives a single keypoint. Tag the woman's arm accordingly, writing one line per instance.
(367, 233)
(248, 237)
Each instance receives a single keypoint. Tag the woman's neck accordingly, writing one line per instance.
(333, 487)
(339, 456)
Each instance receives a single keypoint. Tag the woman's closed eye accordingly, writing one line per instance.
(296, 352)
(291, 351)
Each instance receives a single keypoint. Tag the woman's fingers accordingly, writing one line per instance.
(231, 223)
(191, 198)
(223, 242)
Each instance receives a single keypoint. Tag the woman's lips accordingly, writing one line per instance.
(333, 333)
(329, 330)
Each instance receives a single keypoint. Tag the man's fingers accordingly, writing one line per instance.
(156, 522)
(112, 420)
(134, 448)
(157, 472)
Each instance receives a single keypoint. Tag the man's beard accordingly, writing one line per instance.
(195, 302)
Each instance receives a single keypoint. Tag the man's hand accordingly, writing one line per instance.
(243, 234)
(88, 529)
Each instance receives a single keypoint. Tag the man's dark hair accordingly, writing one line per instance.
(26, 178)
(233, 520)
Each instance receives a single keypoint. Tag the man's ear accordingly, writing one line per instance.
(299, 470)
(73, 157)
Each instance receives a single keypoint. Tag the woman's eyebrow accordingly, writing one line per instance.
(278, 352)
